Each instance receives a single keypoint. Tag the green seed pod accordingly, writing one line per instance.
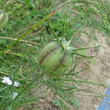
(54, 59)
(3, 19)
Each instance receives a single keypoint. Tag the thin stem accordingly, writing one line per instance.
(78, 32)
(87, 48)
(7, 38)
(83, 55)
(53, 31)
(61, 45)
(56, 35)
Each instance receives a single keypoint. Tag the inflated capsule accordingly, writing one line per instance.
(54, 59)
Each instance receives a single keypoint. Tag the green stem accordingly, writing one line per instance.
(27, 32)
(53, 31)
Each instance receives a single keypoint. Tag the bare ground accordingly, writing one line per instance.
(98, 72)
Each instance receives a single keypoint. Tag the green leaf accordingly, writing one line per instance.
(82, 52)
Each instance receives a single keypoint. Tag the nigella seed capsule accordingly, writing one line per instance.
(55, 60)
(3, 19)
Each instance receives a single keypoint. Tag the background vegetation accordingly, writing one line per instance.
(20, 61)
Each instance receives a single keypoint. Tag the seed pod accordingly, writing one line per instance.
(55, 60)
(3, 19)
